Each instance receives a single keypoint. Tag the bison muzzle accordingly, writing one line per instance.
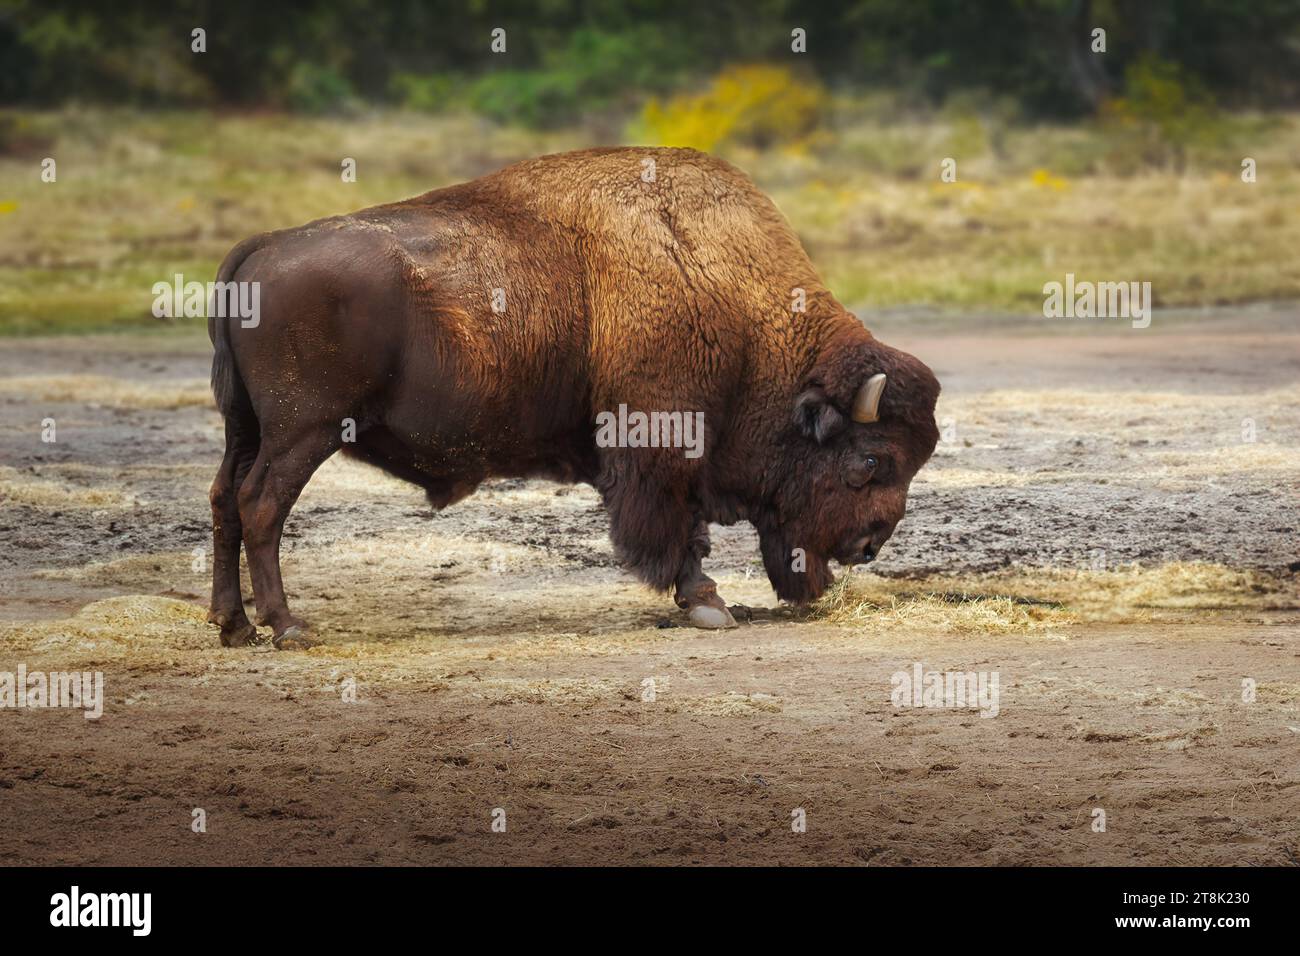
(482, 330)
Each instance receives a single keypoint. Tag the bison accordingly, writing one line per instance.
(484, 329)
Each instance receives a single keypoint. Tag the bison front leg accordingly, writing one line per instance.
(274, 482)
(658, 536)
(696, 592)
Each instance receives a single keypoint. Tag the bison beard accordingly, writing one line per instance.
(479, 331)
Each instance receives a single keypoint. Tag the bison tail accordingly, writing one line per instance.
(227, 387)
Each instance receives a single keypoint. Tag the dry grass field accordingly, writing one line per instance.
(141, 197)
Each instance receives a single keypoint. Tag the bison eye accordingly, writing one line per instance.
(858, 472)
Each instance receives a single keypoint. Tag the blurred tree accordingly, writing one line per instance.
(565, 57)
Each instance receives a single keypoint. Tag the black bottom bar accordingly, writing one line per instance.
(333, 905)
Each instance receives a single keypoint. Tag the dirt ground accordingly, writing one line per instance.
(1110, 525)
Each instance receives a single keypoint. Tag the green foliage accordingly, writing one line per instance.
(1163, 112)
(569, 58)
(530, 97)
(593, 72)
(312, 88)
(424, 92)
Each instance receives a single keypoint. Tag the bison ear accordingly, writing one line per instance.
(816, 417)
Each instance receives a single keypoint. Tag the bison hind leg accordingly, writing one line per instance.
(282, 468)
(227, 607)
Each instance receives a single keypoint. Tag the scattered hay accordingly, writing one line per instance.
(121, 623)
(1178, 585)
(1224, 461)
(83, 471)
(142, 610)
(1278, 692)
(110, 392)
(139, 570)
(887, 603)
(1120, 594)
(33, 491)
(1031, 600)
(428, 553)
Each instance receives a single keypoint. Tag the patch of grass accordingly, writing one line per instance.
(142, 196)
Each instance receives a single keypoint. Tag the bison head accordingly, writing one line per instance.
(863, 424)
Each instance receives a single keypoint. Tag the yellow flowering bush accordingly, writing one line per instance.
(759, 105)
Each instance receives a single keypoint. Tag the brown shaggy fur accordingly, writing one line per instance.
(669, 295)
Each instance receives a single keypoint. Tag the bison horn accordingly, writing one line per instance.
(866, 405)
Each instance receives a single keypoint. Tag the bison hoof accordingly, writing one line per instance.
(711, 618)
(294, 638)
(239, 636)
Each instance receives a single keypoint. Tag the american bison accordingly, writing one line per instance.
(488, 328)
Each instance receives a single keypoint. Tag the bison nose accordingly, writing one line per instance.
(861, 551)
(878, 532)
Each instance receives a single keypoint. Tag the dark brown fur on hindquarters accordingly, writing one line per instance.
(479, 330)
